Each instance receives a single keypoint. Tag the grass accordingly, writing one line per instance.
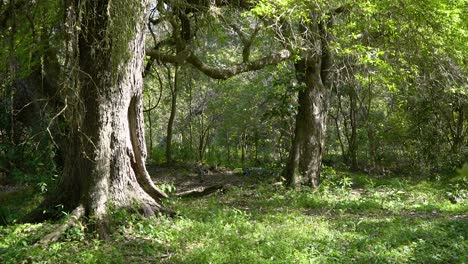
(350, 219)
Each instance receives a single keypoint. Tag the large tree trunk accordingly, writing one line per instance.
(105, 158)
(305, 157)
(303, 167)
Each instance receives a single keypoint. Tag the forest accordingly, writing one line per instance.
(233, 131)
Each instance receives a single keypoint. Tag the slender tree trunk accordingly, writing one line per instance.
(371, 130)
(192, 156)
(256, 147)
(201, 139)
(106, 153)
(458, 136)
(353, 144)
(243, 139)
(228, 147)
(338, 128)
(170, 124)
(338, 135)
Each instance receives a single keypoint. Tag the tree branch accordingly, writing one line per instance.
(224, 73)
(217, 72)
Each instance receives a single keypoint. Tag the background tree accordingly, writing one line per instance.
(308, 32)
(388, 61)
(29, 98)
(184, 27)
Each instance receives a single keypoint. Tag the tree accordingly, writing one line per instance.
(308, 33)
(404, 77)
(170, 125)
(105, 155)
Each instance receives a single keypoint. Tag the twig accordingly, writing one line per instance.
(53, 118)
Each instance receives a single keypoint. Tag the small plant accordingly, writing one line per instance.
(238, 171)
(75, 233)
(167, 187)
(333, 179)
(42, 187)
(458, 188)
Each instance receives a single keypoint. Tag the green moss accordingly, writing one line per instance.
(125, 18)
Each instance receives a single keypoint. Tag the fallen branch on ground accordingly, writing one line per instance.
(75, 215)
(199, 192)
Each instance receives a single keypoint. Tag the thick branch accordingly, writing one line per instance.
(223, 73)
(203, 4)
(168, 58)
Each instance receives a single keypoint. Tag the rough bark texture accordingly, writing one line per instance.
(303, 167)
(105, 157)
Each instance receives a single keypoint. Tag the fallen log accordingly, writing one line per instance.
(200, 191)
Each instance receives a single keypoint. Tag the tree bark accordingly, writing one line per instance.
(305, 156)
(106, 153)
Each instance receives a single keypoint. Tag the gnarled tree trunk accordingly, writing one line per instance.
(105, 157)
(305, 157)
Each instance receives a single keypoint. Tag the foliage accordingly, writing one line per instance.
(401, 86)
(374, 221)
(399, 112)
(26, 149)
(399, 100)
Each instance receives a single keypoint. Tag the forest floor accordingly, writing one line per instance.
(186, 178)
(251, 218)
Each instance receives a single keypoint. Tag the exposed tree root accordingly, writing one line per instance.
(72, 219)
(147, 210)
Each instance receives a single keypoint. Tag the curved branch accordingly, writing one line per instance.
(160, 93)
(222, 73)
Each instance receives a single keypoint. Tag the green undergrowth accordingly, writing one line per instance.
(351, 218)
